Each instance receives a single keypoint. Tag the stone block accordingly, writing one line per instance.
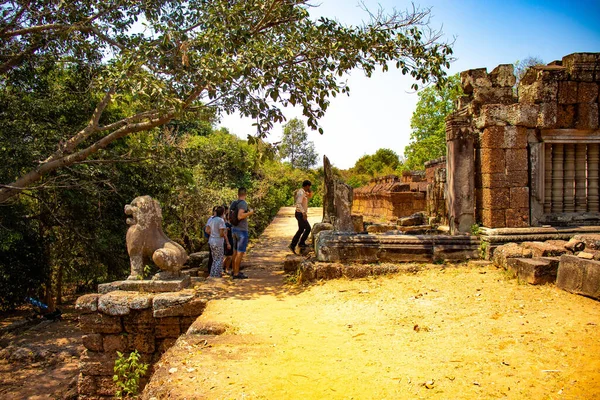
(538, 92)
(516, 160)
(474, 78)
(114, 343)
(559, 243)
(493, 95)
(197, 260)
(515, 137)
(177, 304)
(590, 241)
(381, 228)
(412, 220)
(100, 323)
(105, 386)
(587, 92)
(491, 115)
(548, 115)
(587, 116)
(358, 222)
(165, 331)
(543, 249)
(579, 276)
(307, 273)
(143, 343)
(492, 161)
(517, 218)
(503, 76)
(503, 180)
(93, 363)
(319, 227)
(566, 115)
(508, 251)
(493, 218)
(87, 303)
(86, 385)
(147, 286)
(356, 271)
(535, 271)
(567, 92)
(292, 263)
(328, 271)
(519, 197)
(494, 199)
(119, 303)
(523, 114)
(92, 341)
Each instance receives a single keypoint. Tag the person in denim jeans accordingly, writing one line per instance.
(240, 232)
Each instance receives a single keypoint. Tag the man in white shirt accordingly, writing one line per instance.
(301, 198)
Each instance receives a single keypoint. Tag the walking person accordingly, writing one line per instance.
(217, 240)
(301, 198)
(207, 236)
(239, 213)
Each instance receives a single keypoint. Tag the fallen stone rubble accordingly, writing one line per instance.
(573, 265)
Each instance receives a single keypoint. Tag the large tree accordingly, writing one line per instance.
(295, 146)
(428, 123)
(163, 60)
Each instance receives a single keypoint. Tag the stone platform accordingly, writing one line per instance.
(493, 238)
(361, 248)
(124, 321)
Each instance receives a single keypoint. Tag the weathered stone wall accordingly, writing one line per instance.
(435, 173)
(390, 198)
(126, 321)
(555, 103)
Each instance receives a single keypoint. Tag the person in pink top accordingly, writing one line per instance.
(301, 198)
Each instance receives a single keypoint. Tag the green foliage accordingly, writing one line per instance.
(475, 229)
(199, 57)
(128, 371)
(296, 147)
(428, 123)
(383, 162)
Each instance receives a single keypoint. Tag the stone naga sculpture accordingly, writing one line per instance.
(146, 239)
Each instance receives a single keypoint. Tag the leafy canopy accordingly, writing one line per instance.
(295, 146)
(251, 56)
(428, 123)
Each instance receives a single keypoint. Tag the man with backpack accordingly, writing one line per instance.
(238, 217)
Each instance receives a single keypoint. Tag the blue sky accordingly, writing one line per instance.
(487, 33)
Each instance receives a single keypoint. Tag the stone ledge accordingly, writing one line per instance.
(149, 286)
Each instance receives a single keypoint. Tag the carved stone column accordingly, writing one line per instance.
(548, 179)
(593, 177)
(461, 174)
(580, 175)
(558, 157)
(569, 197)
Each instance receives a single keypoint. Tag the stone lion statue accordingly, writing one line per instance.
(147, 241)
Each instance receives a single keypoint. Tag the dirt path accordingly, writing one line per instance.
(41, 361)
(463, 332)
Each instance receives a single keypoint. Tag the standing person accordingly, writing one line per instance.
(218, 238)
(227, 267)
(239, 212)
(301, 200)
(207, 236)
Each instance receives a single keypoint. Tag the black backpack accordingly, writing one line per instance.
(233, 213)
